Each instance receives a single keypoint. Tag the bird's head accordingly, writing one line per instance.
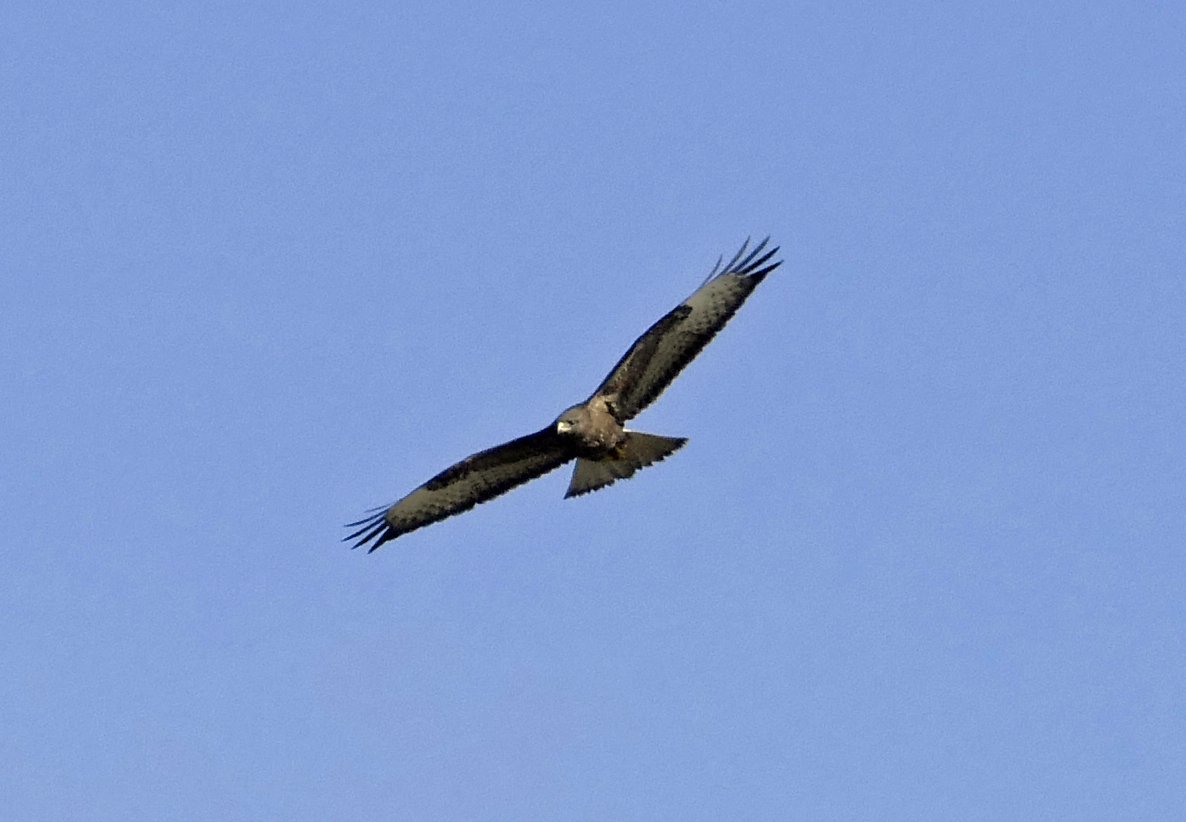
(571, 419)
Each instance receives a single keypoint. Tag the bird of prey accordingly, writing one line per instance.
(593, 433)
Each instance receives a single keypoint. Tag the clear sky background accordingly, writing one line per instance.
(266, 266)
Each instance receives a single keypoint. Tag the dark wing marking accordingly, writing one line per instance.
(657, 357)
(475, 479)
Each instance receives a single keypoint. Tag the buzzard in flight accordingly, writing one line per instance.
(593, 433)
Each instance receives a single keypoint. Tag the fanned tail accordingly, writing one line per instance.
(638, 451)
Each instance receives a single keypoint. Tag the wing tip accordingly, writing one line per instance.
(749, 265)
(375, 527)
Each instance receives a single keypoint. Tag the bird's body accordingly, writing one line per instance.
(594, 432)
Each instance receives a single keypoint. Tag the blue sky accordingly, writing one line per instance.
(265, 266)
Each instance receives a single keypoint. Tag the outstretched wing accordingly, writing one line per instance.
(475, 479)
(657, 357)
